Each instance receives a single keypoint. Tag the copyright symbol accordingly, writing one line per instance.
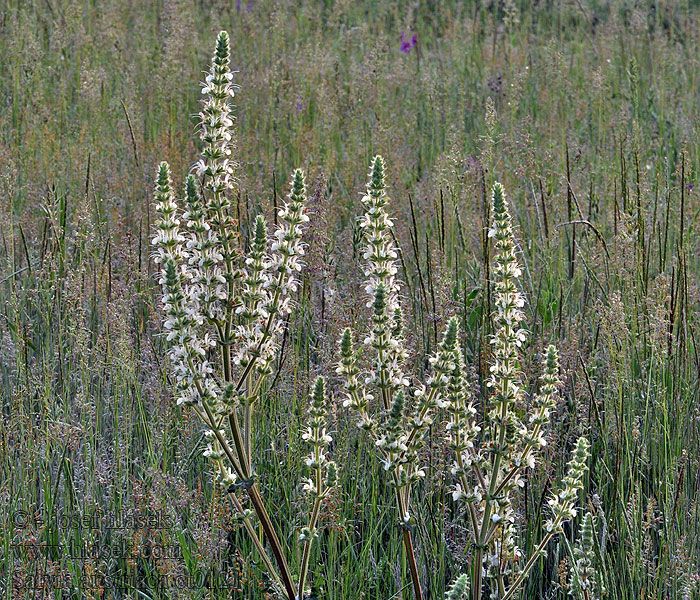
(20, 519)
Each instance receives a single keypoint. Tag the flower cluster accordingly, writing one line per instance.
(382, 288)
(253, 294)
(216, 167)
(462, 430)
(563, 503)
(216, 454)
(586, 581)
(489, 467)
(459, 590)
(205, 258)
(533, 436)
(430, 397)
(323, 471)
(356, 395)
(504, 376)
(219, 306)
(408, 45)
(402, 411)
(269, 280)
(193, 283)
(393, 440)
(188, 350)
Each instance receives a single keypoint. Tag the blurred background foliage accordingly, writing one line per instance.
(585, 110)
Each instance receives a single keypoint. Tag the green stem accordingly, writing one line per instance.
(402, 505)
(530, 563)
(256, 540)
(256, 500)
(476, 573)
(501, 585)
(312, 526)
(240, 444)
(247, 424)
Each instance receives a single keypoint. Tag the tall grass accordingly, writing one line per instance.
(585, 112)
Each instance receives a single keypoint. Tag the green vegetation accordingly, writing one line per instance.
(584, 111)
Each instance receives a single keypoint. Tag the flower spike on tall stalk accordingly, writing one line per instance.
(217, 297)
(394, 411)
(490, 460)
(323, 472)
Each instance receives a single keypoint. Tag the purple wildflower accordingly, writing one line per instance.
(406, 45)
(299, 105)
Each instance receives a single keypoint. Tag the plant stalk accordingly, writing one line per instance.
(412, 565)
(273, 540)
(308, 543)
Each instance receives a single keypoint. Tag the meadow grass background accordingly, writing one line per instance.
(585, 110)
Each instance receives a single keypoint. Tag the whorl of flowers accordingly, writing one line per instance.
(459, 590)
(216, 166)
(533, 436)
(215, 453)
(253, 295)
(462, 430)
(205, 258)
(586, 581)
(323, 471)
(382, 287)
(187, 350)
(269, 281)
(563, 502)
(509, 337)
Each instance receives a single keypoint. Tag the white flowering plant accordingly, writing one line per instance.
(586, 581)
(391, 407)
(492, 455)
(225, 311)
(225, 308)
